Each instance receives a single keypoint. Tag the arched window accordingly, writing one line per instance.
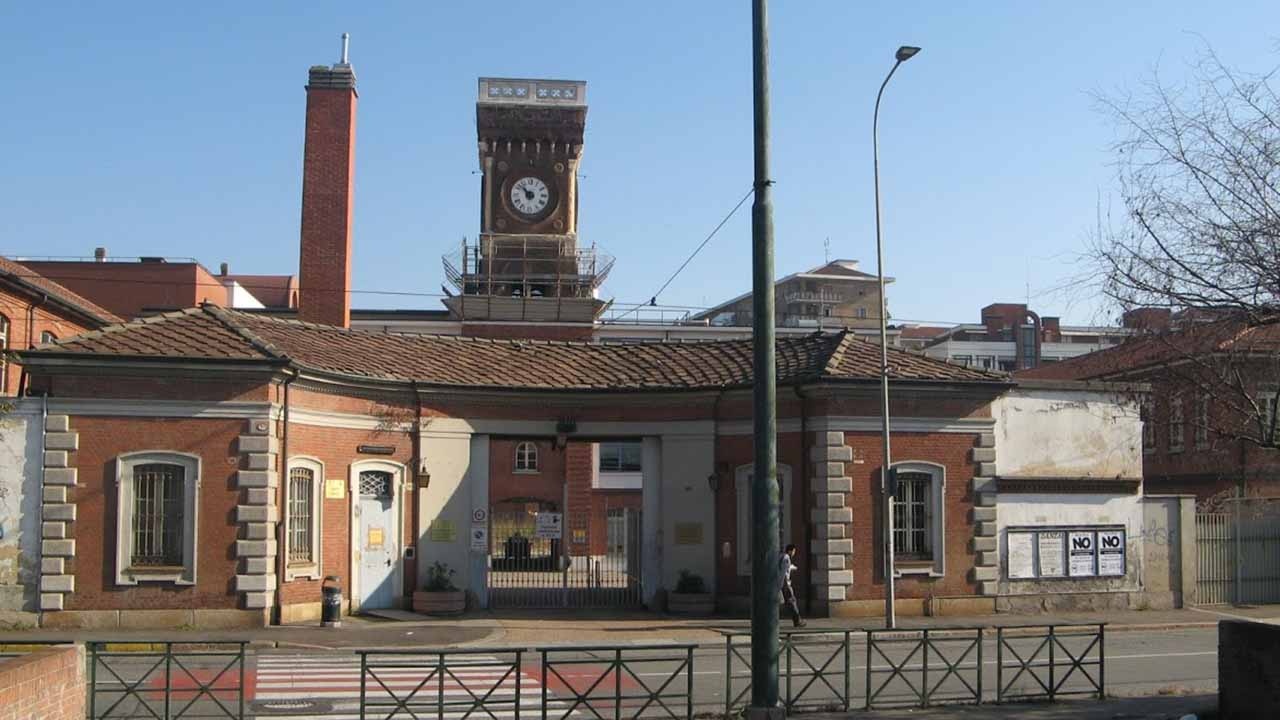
(156, 517)
(918, 518)
(742, 482)
(302, 518)
(526, 457)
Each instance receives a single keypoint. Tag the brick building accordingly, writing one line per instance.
(1209, 406)
(34, 310)
(212, 466)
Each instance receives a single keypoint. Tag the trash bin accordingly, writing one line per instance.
(331, 604)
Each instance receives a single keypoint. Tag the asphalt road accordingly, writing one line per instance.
(306, 684)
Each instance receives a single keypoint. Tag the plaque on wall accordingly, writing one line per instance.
(442, 531)
(688, 533)
(1022, 561)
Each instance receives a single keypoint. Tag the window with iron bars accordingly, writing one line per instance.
(157, 515)
(911, 526)
(301, 500)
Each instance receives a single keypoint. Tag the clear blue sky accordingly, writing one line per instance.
(176, 129)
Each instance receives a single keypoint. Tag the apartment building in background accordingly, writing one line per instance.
(1012, 337)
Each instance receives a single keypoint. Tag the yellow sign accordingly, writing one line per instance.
(688, 533)
(442, 531)
(334, 489)
(375, 538)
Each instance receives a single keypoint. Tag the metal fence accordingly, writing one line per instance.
(1046, 662)
(919, 668)
(814, 670)
(1238, 553)
(619, 682)
(447, 683)
(166, 680)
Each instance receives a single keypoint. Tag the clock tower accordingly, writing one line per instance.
(527, 267)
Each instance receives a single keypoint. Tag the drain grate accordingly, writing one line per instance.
(290, 707)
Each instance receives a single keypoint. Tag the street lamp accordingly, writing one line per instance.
(904, 53)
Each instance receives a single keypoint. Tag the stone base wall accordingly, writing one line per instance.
(156, 619)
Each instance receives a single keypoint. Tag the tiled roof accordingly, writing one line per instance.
(22, 274)
(215, 333)
(1145, 351)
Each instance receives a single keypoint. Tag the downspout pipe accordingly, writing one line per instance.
(282, 498)
(416, 522)
(31, 319)
(805, 495)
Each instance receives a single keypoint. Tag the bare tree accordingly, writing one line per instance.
(1199, 169)
(1199, 166)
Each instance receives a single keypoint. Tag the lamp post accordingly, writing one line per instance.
(887, 487)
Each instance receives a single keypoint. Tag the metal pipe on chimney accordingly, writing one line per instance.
(346, 44)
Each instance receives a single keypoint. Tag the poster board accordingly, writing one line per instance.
(1064, 552)
(548, 525)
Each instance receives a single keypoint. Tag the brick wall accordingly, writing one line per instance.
(44, 685)
(22, 335)
(127, 288)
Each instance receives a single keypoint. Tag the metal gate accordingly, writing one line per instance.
(1238, 553)
(590, 565)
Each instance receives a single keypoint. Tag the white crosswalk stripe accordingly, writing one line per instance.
(335, 681)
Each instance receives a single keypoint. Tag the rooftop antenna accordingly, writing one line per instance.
(346, 42)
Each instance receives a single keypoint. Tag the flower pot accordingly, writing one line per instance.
(449, 602)
(691, 603)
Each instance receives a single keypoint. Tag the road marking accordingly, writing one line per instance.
(1270, 621)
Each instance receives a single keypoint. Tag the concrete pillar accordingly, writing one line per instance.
(1187, 547)
(478, 486)
(651, 572)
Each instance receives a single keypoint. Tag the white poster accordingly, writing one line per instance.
(1111, 552)
(1021, 559)
(1052, 549)
(1080, 546)
(479, 538)
(548, 526)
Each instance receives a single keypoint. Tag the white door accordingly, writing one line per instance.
(377, 540)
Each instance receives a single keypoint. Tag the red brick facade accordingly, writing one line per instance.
(46, 684)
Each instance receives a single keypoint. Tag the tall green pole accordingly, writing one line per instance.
(765, 589)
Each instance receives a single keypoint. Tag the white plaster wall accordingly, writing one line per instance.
(687, 462)
(20, 469)
(1067, 433)
(459, 466)
(1044, 509)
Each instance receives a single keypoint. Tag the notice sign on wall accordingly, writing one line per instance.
(334, 489)
(442, 530)
(479, 538)
(1081, 551)
(1052, 549)
(1022, 555)
(1111, 552)
(688, 533)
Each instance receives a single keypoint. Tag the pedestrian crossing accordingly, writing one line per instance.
(321, 686)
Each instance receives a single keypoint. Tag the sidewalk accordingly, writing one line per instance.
(1202, 706)
(604, 627)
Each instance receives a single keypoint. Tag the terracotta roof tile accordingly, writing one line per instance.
(216, 333)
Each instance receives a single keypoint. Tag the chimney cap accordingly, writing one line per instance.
(99, 254)
(224, 269)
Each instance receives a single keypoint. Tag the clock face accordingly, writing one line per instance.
(529, 195)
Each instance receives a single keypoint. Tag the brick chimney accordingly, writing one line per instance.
(328, 177)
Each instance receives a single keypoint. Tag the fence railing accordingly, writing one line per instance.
(923, 667)
(166, 680)
(1050, 661)
(813, 669)
(444, 683)
(903, 668)
(617, 682)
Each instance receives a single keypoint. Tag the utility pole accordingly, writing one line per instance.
(765, 591)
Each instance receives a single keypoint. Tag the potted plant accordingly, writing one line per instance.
(690, 596)
(439, 596)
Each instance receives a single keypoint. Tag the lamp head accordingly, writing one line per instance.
(905, 53)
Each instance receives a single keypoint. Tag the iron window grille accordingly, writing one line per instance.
(301, 498)
(158, 515)
(911, 516)
(526, 457)
(375, 484)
